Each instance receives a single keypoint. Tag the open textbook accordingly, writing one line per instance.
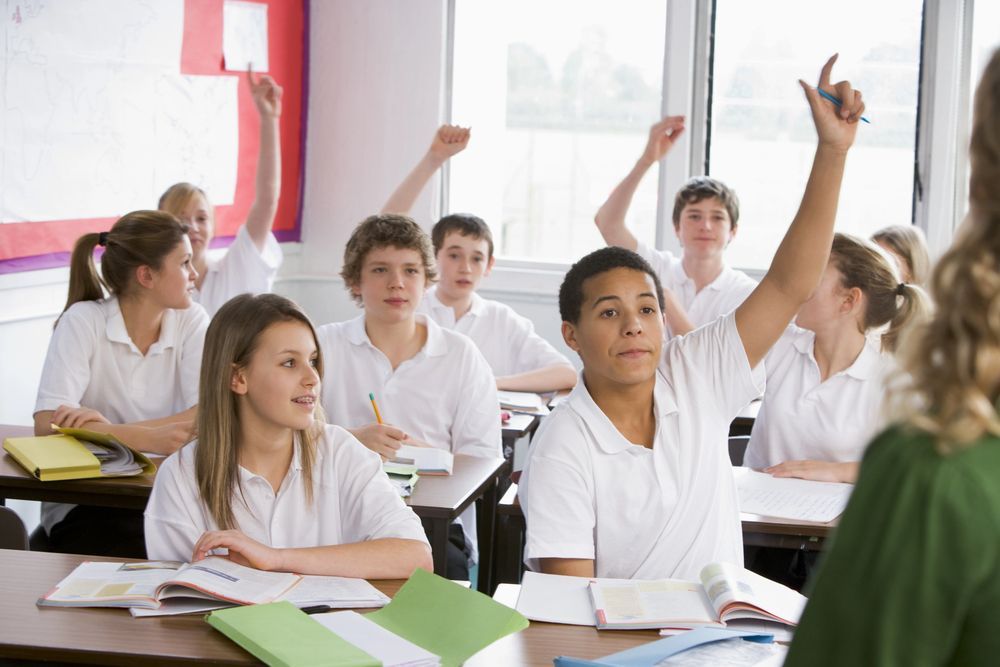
(726, 592)
(157, 588)
(428, 460)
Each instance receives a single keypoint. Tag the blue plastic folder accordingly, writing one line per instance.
(654, 652)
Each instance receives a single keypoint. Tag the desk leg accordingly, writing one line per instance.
(486, 518)
(437, 535)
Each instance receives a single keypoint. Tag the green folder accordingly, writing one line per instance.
(280, 635)
(447, 619)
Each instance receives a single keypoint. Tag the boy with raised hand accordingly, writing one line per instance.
(630, 476)
(521, 360)
(698, 287)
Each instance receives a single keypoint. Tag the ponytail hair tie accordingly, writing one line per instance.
(900, 288)
(102, 239)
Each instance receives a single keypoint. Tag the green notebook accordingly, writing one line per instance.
(447, 619)
(280, 635)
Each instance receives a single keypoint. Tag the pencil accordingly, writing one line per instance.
(828, 96)
(371, 397)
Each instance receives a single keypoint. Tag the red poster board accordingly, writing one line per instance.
(26, 246)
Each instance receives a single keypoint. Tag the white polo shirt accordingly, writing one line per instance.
(353, 501)
(506, 339)
(444, 395)
(241, 269)
(639, 513)
(719, 297)
(92, 362)
(803, 418)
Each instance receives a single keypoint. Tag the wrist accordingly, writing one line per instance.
(832, 149)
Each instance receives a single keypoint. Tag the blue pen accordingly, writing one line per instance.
(833, 99)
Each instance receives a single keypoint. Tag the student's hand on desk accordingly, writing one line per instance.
(242, 549)
(69, 417)
(266, 95)
(382, 439)
(836, 126)
(818, 471)
(449, 140)
(662, 137)
(165, 439)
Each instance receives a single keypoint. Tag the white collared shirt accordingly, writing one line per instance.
(92, 362)
(723, 295)
(640, 513)
(804, 418)
(353, 501)
(243, 268)
(506, 339)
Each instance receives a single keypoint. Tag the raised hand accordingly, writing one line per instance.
(266, 95)
(662, 137)
(836, 126)
(449, 140)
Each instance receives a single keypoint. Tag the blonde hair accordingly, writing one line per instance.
(229, 344)
(909, 244)
(865, 266)
(178, 197)
(951, 366)
(139, 238)
(387, 230)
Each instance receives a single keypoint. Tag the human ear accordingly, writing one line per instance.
(238, 381)
(489, 266)
(144, 275)
(569, 336)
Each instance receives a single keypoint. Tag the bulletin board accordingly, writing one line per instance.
(58, 182)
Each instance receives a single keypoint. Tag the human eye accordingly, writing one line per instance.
(647, 310)
(378, 269)
(413, 271)
(288, 363)
(314, 362)
(609, 312)
(453, 255)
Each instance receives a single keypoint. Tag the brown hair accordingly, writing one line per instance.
(178, 197)
(703, 187)
(381, 231)
(908, 243)
(229, 344)
(951, 369)
(887, 300)
(139, 238)
(465, 224)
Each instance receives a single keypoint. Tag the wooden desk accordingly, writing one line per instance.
(519, 426)
(113, 637)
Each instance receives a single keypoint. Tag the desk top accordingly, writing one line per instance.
(519, 425)
(113, 637)
(447, 496)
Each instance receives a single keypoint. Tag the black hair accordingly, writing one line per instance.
(465, 224)
(597, 262)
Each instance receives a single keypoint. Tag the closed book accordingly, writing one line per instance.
(76, 454)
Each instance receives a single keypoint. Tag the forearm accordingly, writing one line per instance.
(43, 422)
(676, 317)
(186, 416)
(387, 558)
(402, 200)
(610, 218)
(570, 567)
(547, 378)
(267, 184)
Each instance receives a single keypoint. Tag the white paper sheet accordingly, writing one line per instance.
(244, 35)
(556, 599)
(787, 498)
(387, 647)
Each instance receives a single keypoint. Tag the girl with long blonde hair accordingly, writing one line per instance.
(913, 576)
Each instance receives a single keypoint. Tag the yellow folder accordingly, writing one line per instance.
(64, 456)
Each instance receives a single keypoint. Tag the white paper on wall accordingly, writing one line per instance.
(244, 35)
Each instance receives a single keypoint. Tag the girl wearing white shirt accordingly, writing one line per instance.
(251, 262)
(126, 364)
(268, 481)
(826, 376)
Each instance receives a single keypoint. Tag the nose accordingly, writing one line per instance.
(311, 378)
(632, 326)
(396, 279)
(192, 273)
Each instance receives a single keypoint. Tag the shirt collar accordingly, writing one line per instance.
(117, 333)
(476, 308)
(681, 277)
(608, 438)
(865, 366)
(435, 346)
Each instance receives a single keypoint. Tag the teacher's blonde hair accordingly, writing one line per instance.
(229, 344)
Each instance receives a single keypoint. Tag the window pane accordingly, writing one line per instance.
(762, 139)
(560, 96)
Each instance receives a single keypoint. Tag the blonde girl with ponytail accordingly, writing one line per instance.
(913, 575)
(825, 378)
(123, 359)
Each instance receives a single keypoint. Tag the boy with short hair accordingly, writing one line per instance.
(698, 287)
(520, 359)
(630, 476)
(432, 386)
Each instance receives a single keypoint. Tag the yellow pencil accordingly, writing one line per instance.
(371, 397)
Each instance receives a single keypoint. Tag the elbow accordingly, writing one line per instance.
(421, 559)
(600, 220)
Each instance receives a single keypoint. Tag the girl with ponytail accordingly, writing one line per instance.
(125, 363)
(825, 377)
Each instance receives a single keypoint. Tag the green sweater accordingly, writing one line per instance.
(913, 575)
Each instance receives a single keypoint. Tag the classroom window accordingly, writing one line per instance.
(560, 96)
(985, 40)
(761, 139)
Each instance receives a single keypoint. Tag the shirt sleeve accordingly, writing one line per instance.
(192, 348)
(660, 260)
(911, 576)
(243, 268)
(528, 350)
(557, 496)
(476, 429)
(66, 372)
(174, 519)
(373, 508)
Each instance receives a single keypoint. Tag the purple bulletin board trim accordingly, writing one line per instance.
(295, 234)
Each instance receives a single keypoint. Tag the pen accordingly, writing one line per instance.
(371, 397)
(828, 96)
(316, 609)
